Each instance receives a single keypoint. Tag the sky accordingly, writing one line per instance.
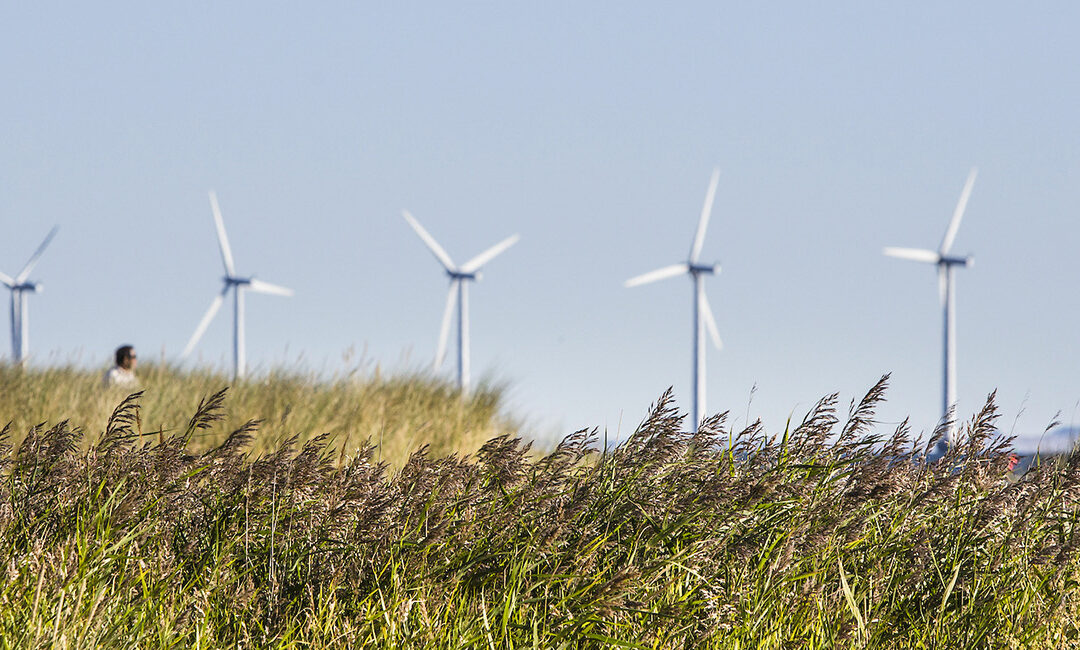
(591, 129)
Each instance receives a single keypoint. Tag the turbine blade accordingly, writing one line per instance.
(265, 287)
(433, 245)
(223, 239)
(205, 322)
(913, 254)
(942, 283)
(958, 214)
(658, 274)
(710, 324)
(444, 330)
(488, 255)
(7, 280)
(703, 222)
(25, 272)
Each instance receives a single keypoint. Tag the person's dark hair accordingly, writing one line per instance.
(122, 353)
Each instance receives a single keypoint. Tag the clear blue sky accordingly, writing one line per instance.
(591, 129)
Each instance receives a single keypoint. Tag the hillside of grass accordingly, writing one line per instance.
(828, 534)
(396, 414)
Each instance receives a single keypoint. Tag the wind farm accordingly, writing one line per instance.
(456, 312)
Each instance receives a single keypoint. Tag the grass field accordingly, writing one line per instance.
(396, 413)
(828, 534)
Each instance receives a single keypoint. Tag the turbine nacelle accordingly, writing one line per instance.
(458, 275)
(947, 260)
(706, 269)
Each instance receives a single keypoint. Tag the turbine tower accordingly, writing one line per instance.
(703, 316)
(238, 285)
(20, 289)
(946, 265)
(460, 276)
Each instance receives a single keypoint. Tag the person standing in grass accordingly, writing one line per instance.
(123, 373)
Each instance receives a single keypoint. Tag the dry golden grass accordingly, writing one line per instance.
(397, 414)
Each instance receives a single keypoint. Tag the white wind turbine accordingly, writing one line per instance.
(459, 285)
(20, 289)
(946, 264)
(238, 285)
(703, 316)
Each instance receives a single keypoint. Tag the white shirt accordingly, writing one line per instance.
(117, 376)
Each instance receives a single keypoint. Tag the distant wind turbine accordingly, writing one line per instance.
(238, 284)
(947, 291)
(459, 279)
(20, 289)
(703, 316)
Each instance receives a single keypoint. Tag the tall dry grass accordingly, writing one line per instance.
(828, 534)
(396, 413)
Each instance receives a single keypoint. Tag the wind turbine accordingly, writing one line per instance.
(946, 265)
(460, 276)
(238, 284)
(20, 305)
(703, 316)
